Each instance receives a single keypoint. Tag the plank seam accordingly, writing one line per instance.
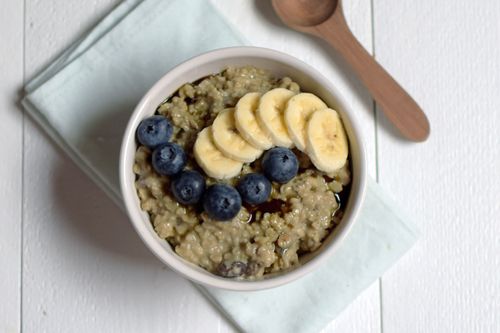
(21, 270)
(376, 128)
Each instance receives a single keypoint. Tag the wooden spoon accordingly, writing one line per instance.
(325, 19)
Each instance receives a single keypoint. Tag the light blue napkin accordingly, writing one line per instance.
(83, 101)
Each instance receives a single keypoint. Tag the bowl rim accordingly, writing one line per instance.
(173, 260)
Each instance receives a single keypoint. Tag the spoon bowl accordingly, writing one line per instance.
(304, 13)
(325, 19)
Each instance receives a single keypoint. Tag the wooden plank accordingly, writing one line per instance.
(11, 120)
(446, 54)
(257, 22)
(85, 267)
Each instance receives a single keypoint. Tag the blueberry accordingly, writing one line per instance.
(154, 131)
(280, 164)
(188, 187)
(169, 159)
(221, 202)
(254, 188)
(231, 269)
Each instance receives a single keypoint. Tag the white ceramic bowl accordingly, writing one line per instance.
(212, 62)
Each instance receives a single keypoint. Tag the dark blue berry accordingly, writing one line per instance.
(232, 269)
(169, 159)
(280, 164)
(254, 188)
(154, 131)
(221, 202)
(188, 187)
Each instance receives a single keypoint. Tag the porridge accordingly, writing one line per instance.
(242, 173)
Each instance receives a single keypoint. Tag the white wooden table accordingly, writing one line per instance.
(62, 270)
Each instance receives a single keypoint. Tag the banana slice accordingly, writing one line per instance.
(297, 112)
(228, 140)
(270, 115)
(326, 145)
(246, 121)
(211, 160)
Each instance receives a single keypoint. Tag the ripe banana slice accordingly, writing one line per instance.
(270, 115)
(246, 121)
(327, 144)
(211, 160)
(297, 112)
(228, 140)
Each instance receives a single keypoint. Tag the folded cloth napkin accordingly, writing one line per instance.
(84, 99)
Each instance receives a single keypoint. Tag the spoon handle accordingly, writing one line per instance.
(397, 104)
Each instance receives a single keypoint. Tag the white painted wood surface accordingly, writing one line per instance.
(74, 274)
(11, 77)
(447, 54)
